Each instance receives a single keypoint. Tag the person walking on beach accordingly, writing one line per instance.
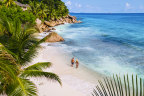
(77, 63)
(72, 61)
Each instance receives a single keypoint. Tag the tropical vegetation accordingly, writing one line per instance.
(16, 12)
(18, 45)
(48, 9)
(8, 2)
(120, 86)
(17, 48)
(14, 78)
(43, 9)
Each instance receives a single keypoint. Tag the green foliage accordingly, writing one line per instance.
(16, 12)
(26, 1)
(9, 3)
(43, 9)
(56, 9)
(17, 47)
(19, 39)
(14, 79)
(21, 87)
(118, 86)
(39, 66)
(36, 73)
(48, 9)
(34, 7)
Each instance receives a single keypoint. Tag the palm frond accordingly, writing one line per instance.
(36, 73)
(39, 66)
(8, 72)
(8, 66)
(118, 86)
(6, 54)
(7, 24)
(22, 87)
(28, 29)
(32, 51)
(19, 39)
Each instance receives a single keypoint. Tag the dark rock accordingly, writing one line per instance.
(53, 29)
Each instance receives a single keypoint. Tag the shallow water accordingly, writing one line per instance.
(107, 43)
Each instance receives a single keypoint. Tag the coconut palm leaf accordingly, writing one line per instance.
(8, 75)
(5, 51)
(118, 86)
(9, 2)
(39, 66)
(22, 87)
(19, 39)
(8, 68)
(10, 83)
(31, 52)
(13, 79)
(34, 7)
(18, 47)
(36, 73)
(7, 25)
(2, 29)
(42, 12)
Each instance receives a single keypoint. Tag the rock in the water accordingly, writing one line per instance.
(53, 37)
(79, 21)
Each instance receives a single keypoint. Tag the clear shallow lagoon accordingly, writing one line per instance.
(107, 43)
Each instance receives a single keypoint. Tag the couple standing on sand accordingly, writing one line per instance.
(73, 61)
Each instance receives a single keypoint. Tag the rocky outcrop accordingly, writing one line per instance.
(39, 25)
(42, 27)
(47, 25)
(50, 23)
(63, 20)
(53, 37)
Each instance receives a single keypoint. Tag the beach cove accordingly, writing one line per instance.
(75, 82)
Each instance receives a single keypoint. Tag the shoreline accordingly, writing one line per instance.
(75, 82)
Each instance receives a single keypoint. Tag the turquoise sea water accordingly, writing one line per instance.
(107, 43)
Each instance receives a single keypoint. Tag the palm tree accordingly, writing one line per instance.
(42, 11)
(34, 7)
(19, 39)
(14, 79)
(18, 46)
(9, 2)
(118, 86)
(8, 69)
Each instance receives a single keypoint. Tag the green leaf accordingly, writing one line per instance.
(120, 87)
(39, 66)
(36, 73)
(22, 87)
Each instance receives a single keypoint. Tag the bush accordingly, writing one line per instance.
(16, 12)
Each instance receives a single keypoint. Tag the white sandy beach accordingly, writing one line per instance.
(75, 82)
